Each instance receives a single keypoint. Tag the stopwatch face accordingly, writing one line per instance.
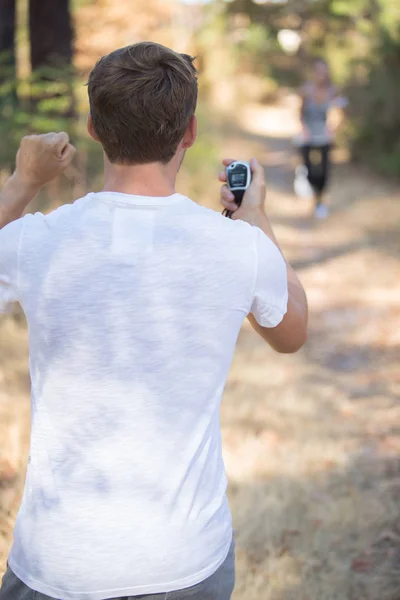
(237, 176)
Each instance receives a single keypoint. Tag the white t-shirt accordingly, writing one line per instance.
(134, 305)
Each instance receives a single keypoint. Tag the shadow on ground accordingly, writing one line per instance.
(333, 535)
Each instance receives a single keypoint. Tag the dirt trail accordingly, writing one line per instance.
(312, 440)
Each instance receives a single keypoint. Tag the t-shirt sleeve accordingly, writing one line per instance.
(9, 248)
(270, 296)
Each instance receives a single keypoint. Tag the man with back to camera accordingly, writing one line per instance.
(134, 298)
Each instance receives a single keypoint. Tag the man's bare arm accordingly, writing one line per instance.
(40, 158)
(290, 335)
(14, 198)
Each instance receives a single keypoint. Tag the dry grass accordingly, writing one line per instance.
(311, 441)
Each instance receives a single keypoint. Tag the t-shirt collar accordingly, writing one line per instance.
(136, 200)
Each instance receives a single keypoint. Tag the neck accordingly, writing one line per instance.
(151, 179)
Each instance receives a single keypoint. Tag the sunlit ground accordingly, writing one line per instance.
(311, 441)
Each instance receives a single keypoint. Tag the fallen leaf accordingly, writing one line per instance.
(362, 564)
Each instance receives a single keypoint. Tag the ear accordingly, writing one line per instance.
(190, 134)
(90, 128)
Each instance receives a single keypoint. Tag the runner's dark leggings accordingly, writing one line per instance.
(318, 169)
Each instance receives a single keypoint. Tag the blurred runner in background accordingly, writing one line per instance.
(318, 97)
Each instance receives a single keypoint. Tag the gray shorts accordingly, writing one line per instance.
(217, 587)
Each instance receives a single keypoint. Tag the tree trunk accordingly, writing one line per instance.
(50, 33)
(7, 52)
(51, 46)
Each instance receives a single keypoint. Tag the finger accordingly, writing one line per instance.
(27, 140)
(49, 138)
(68, 153)
(257, 171)
(222, 176)
(228, 161)
(61, 142)
(55, 142)
(229, 205)
(226, 194)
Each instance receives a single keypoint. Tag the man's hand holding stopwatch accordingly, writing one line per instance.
(254, 196)
(252, 208)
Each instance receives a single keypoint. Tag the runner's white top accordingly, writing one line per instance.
(134, 305)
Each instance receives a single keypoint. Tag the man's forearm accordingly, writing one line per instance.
(14, 198)
(291, 333)
(259, 219)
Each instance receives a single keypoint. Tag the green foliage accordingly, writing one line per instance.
(42, 103)
(201, 161)
(257, 40)
(361, 41)
(77, 4)
(374, 108)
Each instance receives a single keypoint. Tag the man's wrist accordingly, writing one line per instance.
(25, 185)
(15, 196)
(253, 215)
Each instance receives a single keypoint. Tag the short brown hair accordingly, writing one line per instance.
(141, 100)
